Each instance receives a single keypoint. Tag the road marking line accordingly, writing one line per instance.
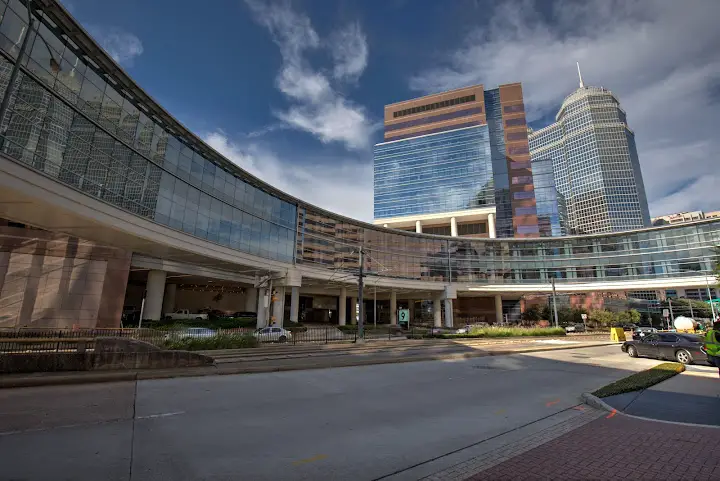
(548, 404)
(500, 411)
(310, 460)
(612, 413)
(163, 415)
(579, 408)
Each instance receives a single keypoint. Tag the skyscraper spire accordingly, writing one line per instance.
(582, 85)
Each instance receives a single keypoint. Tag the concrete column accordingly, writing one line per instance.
(251, 299)
(169, 298)
(449, 313)
(418, 227)
(498, 309)
(437, 311)
(278, 310)
(453, 227)
(342, 307)
(154, 296)
(262, 308)
(353, 310)
(294, 304)
(491, 225)
(393, 308)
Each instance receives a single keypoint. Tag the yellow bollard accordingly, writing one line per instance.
(617, 334)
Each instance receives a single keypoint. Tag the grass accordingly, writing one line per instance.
(641, 380)
(222, 341)
(506, 332)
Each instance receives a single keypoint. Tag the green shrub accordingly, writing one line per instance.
(641, 380)
(350, 328)
(481, 332)
(222, 341)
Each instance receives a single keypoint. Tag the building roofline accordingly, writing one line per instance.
(435, 95)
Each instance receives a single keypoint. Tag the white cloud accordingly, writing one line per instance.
(659, 57)
(350, 52)
(344, 187)
(122, 46)
(317, 107)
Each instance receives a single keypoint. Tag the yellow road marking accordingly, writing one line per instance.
(310, 460)
(500, 411)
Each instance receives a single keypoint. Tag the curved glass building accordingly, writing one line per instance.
(109, 200)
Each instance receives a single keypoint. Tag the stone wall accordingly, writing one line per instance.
(51, 280)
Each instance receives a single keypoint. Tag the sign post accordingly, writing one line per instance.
(584, 319)
(666, 315)
(404, 318)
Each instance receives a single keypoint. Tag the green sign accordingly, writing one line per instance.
(403, 316)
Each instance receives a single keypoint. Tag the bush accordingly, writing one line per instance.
(641, 380)
(221, 341)
(506, 332)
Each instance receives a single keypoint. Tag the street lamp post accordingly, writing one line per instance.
(555, 314)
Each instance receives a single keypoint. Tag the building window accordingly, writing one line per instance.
(523, 195)
(528, 229)
(518, 150)
(437, 230)
(520, 165)
(515, 122)
(509, 109)
(434, 106)
(522, 180)
(471, 229)
(526, 211)
(516, 136)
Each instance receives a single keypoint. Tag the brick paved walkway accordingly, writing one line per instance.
(617, 448)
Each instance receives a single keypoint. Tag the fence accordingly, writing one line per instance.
(27, 339)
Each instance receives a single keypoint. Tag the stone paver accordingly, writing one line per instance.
(499, 455)
(617, 448)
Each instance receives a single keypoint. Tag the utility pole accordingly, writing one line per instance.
(361, 320)
(710, 297)
(672, 316)
(557, 324)
(692, 314)
(375, 307)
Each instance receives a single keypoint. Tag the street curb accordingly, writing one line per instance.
(92, 378)
(597, 403)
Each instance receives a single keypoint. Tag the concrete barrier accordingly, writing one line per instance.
(109, 354)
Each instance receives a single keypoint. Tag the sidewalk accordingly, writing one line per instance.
(690, 397)
(618, 447)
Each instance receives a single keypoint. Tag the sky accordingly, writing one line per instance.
(293, 91)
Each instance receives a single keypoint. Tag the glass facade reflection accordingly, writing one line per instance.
(443, 172)
(74, 124)
(551, 210)
(595, 162)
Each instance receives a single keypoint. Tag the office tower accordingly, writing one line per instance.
(457, 163)
(595, 162)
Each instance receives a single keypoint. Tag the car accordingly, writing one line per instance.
(684, 348)
(641, 332)
(192, 332)
(575, 328)
(251, 315)
(272, 334)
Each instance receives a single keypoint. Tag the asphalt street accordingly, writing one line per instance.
(350, 423)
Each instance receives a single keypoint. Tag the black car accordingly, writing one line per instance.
(684, 348)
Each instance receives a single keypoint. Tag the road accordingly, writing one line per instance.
(351, 423)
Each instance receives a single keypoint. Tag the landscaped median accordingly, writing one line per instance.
(641, 380)
(490, 332)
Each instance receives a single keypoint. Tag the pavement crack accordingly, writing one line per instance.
(132, 432)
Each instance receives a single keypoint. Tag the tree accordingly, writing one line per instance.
(532, 314)
(628, 317)
(601, 317)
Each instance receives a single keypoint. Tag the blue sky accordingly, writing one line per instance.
(294, 91)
